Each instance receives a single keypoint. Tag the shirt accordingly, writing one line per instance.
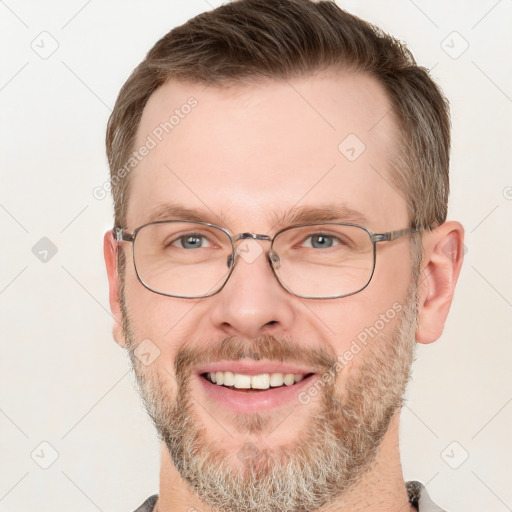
(418, 497)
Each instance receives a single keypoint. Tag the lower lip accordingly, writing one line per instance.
(255, 401)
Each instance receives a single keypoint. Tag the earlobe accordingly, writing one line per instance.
(442, 261)
(110, 248)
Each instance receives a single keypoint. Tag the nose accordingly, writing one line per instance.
(252, 302)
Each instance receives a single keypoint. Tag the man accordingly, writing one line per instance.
(280, 179)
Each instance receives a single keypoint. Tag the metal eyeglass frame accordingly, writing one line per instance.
(121, 235)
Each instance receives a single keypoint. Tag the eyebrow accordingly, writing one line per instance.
(334, 212)
(180, 212)
(296, 215)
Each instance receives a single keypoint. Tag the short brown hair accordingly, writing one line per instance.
(248, 41)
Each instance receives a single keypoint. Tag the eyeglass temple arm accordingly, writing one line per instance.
(393, 235)
(120, 235)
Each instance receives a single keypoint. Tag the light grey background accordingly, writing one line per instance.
(66, 384)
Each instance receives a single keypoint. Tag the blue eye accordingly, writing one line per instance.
(320, 241)
(191, 241)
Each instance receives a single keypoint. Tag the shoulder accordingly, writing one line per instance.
(418, 496)
(148, 505)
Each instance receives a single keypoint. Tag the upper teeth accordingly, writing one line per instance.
(262, 381)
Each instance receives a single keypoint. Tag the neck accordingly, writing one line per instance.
(380, 489)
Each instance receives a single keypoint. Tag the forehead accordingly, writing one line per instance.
(249, 154)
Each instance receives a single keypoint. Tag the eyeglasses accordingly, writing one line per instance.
(189, 259)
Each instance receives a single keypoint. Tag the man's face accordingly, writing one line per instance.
(246, 158)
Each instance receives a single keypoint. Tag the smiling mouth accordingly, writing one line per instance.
(254, 383)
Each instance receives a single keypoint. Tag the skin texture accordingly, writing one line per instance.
(245, 156)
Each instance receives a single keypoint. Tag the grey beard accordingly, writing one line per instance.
(338, 447)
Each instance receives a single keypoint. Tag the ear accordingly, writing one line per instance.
(110, 248)
(443, 252)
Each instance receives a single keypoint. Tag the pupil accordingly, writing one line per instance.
(191, 242)
(321, 241)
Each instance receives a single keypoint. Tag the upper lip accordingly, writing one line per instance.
(254, 367)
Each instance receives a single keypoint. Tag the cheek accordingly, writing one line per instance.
(352, 323)
(348, 317)
(157, 325)
(372, 338)
(393, 268)
(156, 317)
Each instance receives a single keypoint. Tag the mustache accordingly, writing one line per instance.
(273, 348)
